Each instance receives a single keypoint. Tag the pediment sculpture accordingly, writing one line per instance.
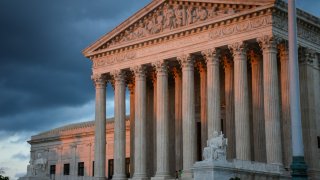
(216, 147)
(172, 15)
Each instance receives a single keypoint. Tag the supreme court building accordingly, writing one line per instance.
(194, 67)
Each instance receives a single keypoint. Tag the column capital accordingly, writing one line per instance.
(139, 71)
(268, 42)
(176, 72)
(283, 51)
(227, 62)
(131, 87)
(186, 61)
(211, 56)
(201, 66)
(255, 57)
(161, 67)
(238, 49)
(118, 76)
(99, 80)
(307, 56)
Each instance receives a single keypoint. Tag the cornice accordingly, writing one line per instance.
(179, 33)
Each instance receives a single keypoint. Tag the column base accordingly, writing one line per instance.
(162, 177)
(100, 178)
(119, 177)
(299, 168)
(139, 177)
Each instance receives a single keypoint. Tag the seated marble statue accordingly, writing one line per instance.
(37, 167)
(216, 147)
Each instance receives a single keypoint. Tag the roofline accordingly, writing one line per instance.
(123, 25)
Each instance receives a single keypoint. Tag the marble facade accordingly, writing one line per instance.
(194, 67)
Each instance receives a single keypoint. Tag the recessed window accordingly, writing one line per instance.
(110, 168)
(66, 169)
(81, 169)
(318, 141)
(52, 169)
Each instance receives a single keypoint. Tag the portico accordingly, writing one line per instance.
(240, 86)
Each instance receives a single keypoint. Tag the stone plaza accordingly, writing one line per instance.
(193, 68)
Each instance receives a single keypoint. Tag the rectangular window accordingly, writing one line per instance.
(318, 141)
(110, 168)
(80, 168)
(128, 167)
(52, 169)
(92, 168)
(66, 169)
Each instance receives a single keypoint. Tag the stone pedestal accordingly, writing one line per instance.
(248, 170)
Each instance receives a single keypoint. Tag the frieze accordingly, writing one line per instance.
(240, 27)
(171, 16)
(303, 32)
(114, 59)
(217, 32)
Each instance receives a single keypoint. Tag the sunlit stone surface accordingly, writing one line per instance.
(193, 67)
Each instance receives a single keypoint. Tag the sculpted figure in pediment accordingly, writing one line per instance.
(190, 15)
(141, 31)
(159, 22)
(179, 15)
(212, 12)
(169, 17)
(202, 14)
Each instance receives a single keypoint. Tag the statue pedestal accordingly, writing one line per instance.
(34, 178)
(249, 170)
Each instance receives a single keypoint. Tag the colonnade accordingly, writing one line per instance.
(264, 112)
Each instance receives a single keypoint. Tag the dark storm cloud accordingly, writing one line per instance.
(42, 69)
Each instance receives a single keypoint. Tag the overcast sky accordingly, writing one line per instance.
(44, 79)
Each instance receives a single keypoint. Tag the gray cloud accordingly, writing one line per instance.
(42, 69)
(20, 156)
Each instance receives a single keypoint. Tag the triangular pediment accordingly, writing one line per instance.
(163, 16)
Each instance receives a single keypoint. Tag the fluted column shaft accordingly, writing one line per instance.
(271, 100)
(241, 102)
(119, 126)
(285, 104)
(259, 139)
(140, 124)
(178, 118)
(188, 115)
(100, 127)
(132, 116)
(229, 98)
(213, 91)
(162, 169)
(203, 104)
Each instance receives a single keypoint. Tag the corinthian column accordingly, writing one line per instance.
(285, 104)
(213, 91)
(178, 117)
(259, 140)
(100, 127)
(162, 171)
(132, 111)
(119, 126)
(271, 99)
(241, 102)
(140, 124)
(229, 98)
(188, 115)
